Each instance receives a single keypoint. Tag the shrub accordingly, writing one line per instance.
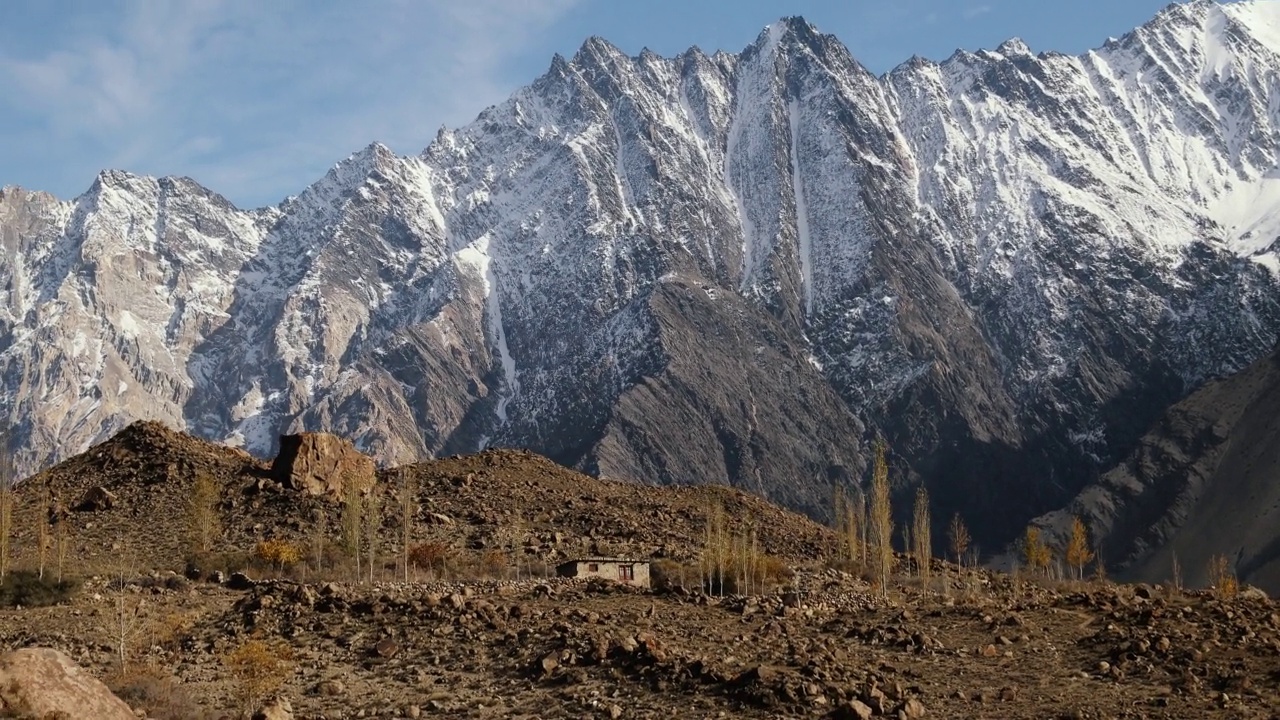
(430, 556)
(667, 574)
(28, 589)
(163, 695)
(494, 563)
(1222, 577)
(278, 553)
(259, 669)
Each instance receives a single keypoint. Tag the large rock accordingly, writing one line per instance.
(41, 682)
(96, 499)
(322, 464)
(278, 709)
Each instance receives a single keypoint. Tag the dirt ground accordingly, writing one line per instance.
(989, 648)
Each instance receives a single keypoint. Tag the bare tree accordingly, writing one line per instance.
(43, 543)
(123, 624)
(958, 534)
(6, 503)
(921, 534)
(61, 541)
(408, 511)
(352, 519)
(372, 521)
(848, 526)
(204, 525)
(860, 522)
(316, 538)
(881, 519)
(714, 549)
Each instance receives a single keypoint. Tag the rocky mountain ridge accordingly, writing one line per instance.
(724, 268)
(1201, 483)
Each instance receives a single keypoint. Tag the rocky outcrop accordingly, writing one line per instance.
(322, 464)
(1200, 483)
(95, 499)
(44, 683)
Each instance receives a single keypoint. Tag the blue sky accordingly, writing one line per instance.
(257, 99)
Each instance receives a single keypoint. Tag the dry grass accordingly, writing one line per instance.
(154, 688)
(27, 589)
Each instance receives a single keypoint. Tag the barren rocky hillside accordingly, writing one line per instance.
(813, 639)
(498, 499)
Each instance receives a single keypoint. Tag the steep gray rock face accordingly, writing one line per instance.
(735, 399)
(1200, 483)
(707, 268)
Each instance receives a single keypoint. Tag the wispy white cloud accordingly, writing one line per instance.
(974, 11)
(256, 99)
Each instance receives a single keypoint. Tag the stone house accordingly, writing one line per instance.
(628, 572)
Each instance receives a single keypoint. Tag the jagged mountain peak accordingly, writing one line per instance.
(120, 180)
(789, 35)
(1014, 47)
(596, 52)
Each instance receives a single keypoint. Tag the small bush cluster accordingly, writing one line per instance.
(493, 563)
(164, 696)
(279, 554)
(259, 668)
(1222, 578)
(28, 589)
(429, 556)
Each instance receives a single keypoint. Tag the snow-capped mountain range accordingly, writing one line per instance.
(707, 268)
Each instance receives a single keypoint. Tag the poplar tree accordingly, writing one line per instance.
(921, 534)
(1078, 553)
(881, 519)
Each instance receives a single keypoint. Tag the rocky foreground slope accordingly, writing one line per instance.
(725, 268)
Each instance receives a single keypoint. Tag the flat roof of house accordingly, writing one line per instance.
(603, 560)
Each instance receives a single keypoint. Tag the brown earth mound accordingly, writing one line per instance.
(141, 482)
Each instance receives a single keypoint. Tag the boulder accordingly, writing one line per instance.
(42, 682)
(853, 710)
(95, 499)
(239, 581)
(322, 464)
(278, 709)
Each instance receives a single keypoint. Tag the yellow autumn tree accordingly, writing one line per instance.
(1034, 551)
(1078, 553)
